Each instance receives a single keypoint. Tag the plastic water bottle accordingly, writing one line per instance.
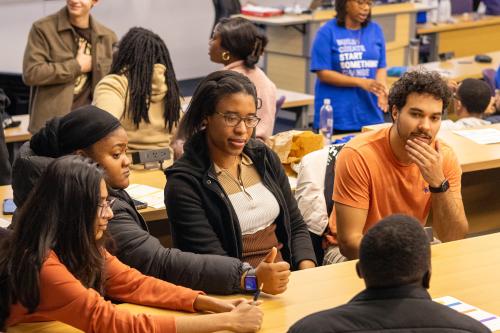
(326, 120)
(444, 10)
(433, 13)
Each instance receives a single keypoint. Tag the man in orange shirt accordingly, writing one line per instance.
(401, 169)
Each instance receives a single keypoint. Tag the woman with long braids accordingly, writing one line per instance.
(238, 44)
(141, 90)
(54, 266)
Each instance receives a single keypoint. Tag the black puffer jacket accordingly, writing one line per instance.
(135, 247)
(132, 243)
(202, 217)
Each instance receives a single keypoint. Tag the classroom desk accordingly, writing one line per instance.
(465, 37)
(287, 56)
(480, 179)
(19, 133)
(154, 178)
(463, 269)
(457, 69)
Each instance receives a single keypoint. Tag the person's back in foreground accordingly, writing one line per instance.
(394, 261)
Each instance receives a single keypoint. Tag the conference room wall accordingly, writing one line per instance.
(184, 25)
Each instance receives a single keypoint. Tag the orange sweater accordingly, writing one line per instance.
(64, 298)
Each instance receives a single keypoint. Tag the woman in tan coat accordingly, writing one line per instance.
(141, 90)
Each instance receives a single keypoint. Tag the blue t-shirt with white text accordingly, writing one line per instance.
(356, 53)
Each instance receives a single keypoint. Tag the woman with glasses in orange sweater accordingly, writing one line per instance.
(54, 266)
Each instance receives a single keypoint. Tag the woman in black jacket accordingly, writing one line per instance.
(228, 194)
(92, 132)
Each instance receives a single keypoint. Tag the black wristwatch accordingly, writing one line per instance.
(445, 185)
(250, 283)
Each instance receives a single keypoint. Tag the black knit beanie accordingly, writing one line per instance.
(79, 129)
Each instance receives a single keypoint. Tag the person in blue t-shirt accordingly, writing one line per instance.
(348, 56)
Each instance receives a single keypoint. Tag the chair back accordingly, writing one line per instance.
(279, 103)
(489, 78)
(225, 8)
(333, 152)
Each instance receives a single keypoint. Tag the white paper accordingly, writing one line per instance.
(489, 320)
(153, 196)
(481, 136)
(4, 223)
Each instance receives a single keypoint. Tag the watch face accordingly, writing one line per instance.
(445, 186)
(442, 188)
(250, 283)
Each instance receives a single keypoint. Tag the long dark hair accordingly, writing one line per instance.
(341, 9)
(242, 39)
(59, 215)
(208, 93)
(138, 51)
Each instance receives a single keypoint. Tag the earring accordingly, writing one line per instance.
(225, 56)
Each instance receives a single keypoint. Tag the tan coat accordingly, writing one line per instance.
(111, 94)
(50, 66)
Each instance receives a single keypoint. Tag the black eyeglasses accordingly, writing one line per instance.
(234, 120)
(106, 204)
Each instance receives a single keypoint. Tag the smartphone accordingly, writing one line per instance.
(8, 207)
(139, 204)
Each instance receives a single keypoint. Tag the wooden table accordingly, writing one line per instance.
(466, 269)
(467, 36)
(480, 179)
(457, 69)
(19, 133)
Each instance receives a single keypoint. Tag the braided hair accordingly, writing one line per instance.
(139, 50)
(242, 39)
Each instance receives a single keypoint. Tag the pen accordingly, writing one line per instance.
(257, 293)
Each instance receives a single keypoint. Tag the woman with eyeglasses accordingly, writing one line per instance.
(141, 90)
(54, 266)
(238, 44)
(94, 133)
(229, 194)
(348, 57)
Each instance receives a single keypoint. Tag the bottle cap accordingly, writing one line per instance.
(326, 101)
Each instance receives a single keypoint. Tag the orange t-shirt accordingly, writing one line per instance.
(64, 298)
(368, 176)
